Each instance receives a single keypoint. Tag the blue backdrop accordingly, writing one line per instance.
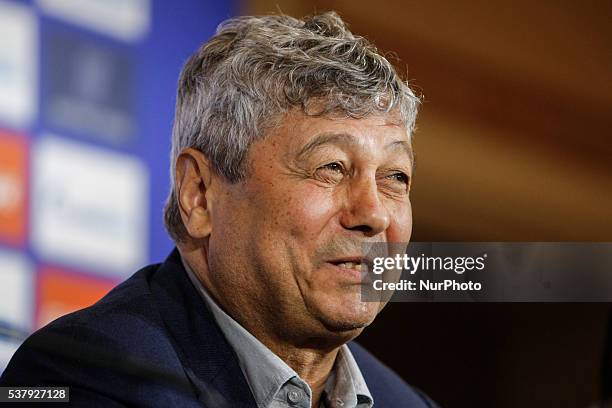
(85, 124)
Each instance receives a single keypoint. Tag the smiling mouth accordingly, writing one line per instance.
(355, 266)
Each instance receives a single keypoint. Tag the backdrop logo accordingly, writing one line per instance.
(16, 291)
(16, 300)
(18, 64)
(89, 206)
(91, 89)
(13, 176)
(61, 292)
(124, 19)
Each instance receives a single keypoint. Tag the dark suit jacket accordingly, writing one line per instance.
(152, 342)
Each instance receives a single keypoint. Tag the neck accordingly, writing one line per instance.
(312, 365)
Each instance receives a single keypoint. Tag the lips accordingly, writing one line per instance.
(355, 267)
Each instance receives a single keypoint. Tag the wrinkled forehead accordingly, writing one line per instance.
(300, 135)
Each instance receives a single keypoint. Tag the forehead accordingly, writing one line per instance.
(298, 133)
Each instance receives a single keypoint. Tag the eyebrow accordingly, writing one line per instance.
(349, 140)
(324, 139)
(404, 145)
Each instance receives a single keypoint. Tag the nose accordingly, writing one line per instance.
(363, 210)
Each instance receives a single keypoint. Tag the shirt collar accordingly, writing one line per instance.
(266, 373)
(346, 386)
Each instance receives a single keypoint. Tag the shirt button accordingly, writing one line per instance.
(294, 396)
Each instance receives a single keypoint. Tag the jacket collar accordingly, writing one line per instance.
(207, 358)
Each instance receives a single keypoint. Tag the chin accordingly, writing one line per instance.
(345, 327)
(347, 315)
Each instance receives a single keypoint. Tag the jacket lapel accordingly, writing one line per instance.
(207, 358)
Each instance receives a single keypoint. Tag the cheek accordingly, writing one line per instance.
(400, 228)
(310, 210)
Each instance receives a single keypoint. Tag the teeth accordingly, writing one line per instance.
(351, 265)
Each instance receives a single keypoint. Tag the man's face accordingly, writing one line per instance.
(285, 241)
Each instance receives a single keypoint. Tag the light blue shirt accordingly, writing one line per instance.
(276, 385)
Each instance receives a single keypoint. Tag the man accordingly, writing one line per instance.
(291, 151)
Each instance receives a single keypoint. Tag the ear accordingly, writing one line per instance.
(193, 181)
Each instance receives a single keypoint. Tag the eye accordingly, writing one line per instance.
(330, 172)
(401, 177)
(333, 167)
(396, 183)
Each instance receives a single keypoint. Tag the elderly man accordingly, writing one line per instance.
(291, 150)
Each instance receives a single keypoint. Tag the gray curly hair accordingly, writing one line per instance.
(255, 69)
